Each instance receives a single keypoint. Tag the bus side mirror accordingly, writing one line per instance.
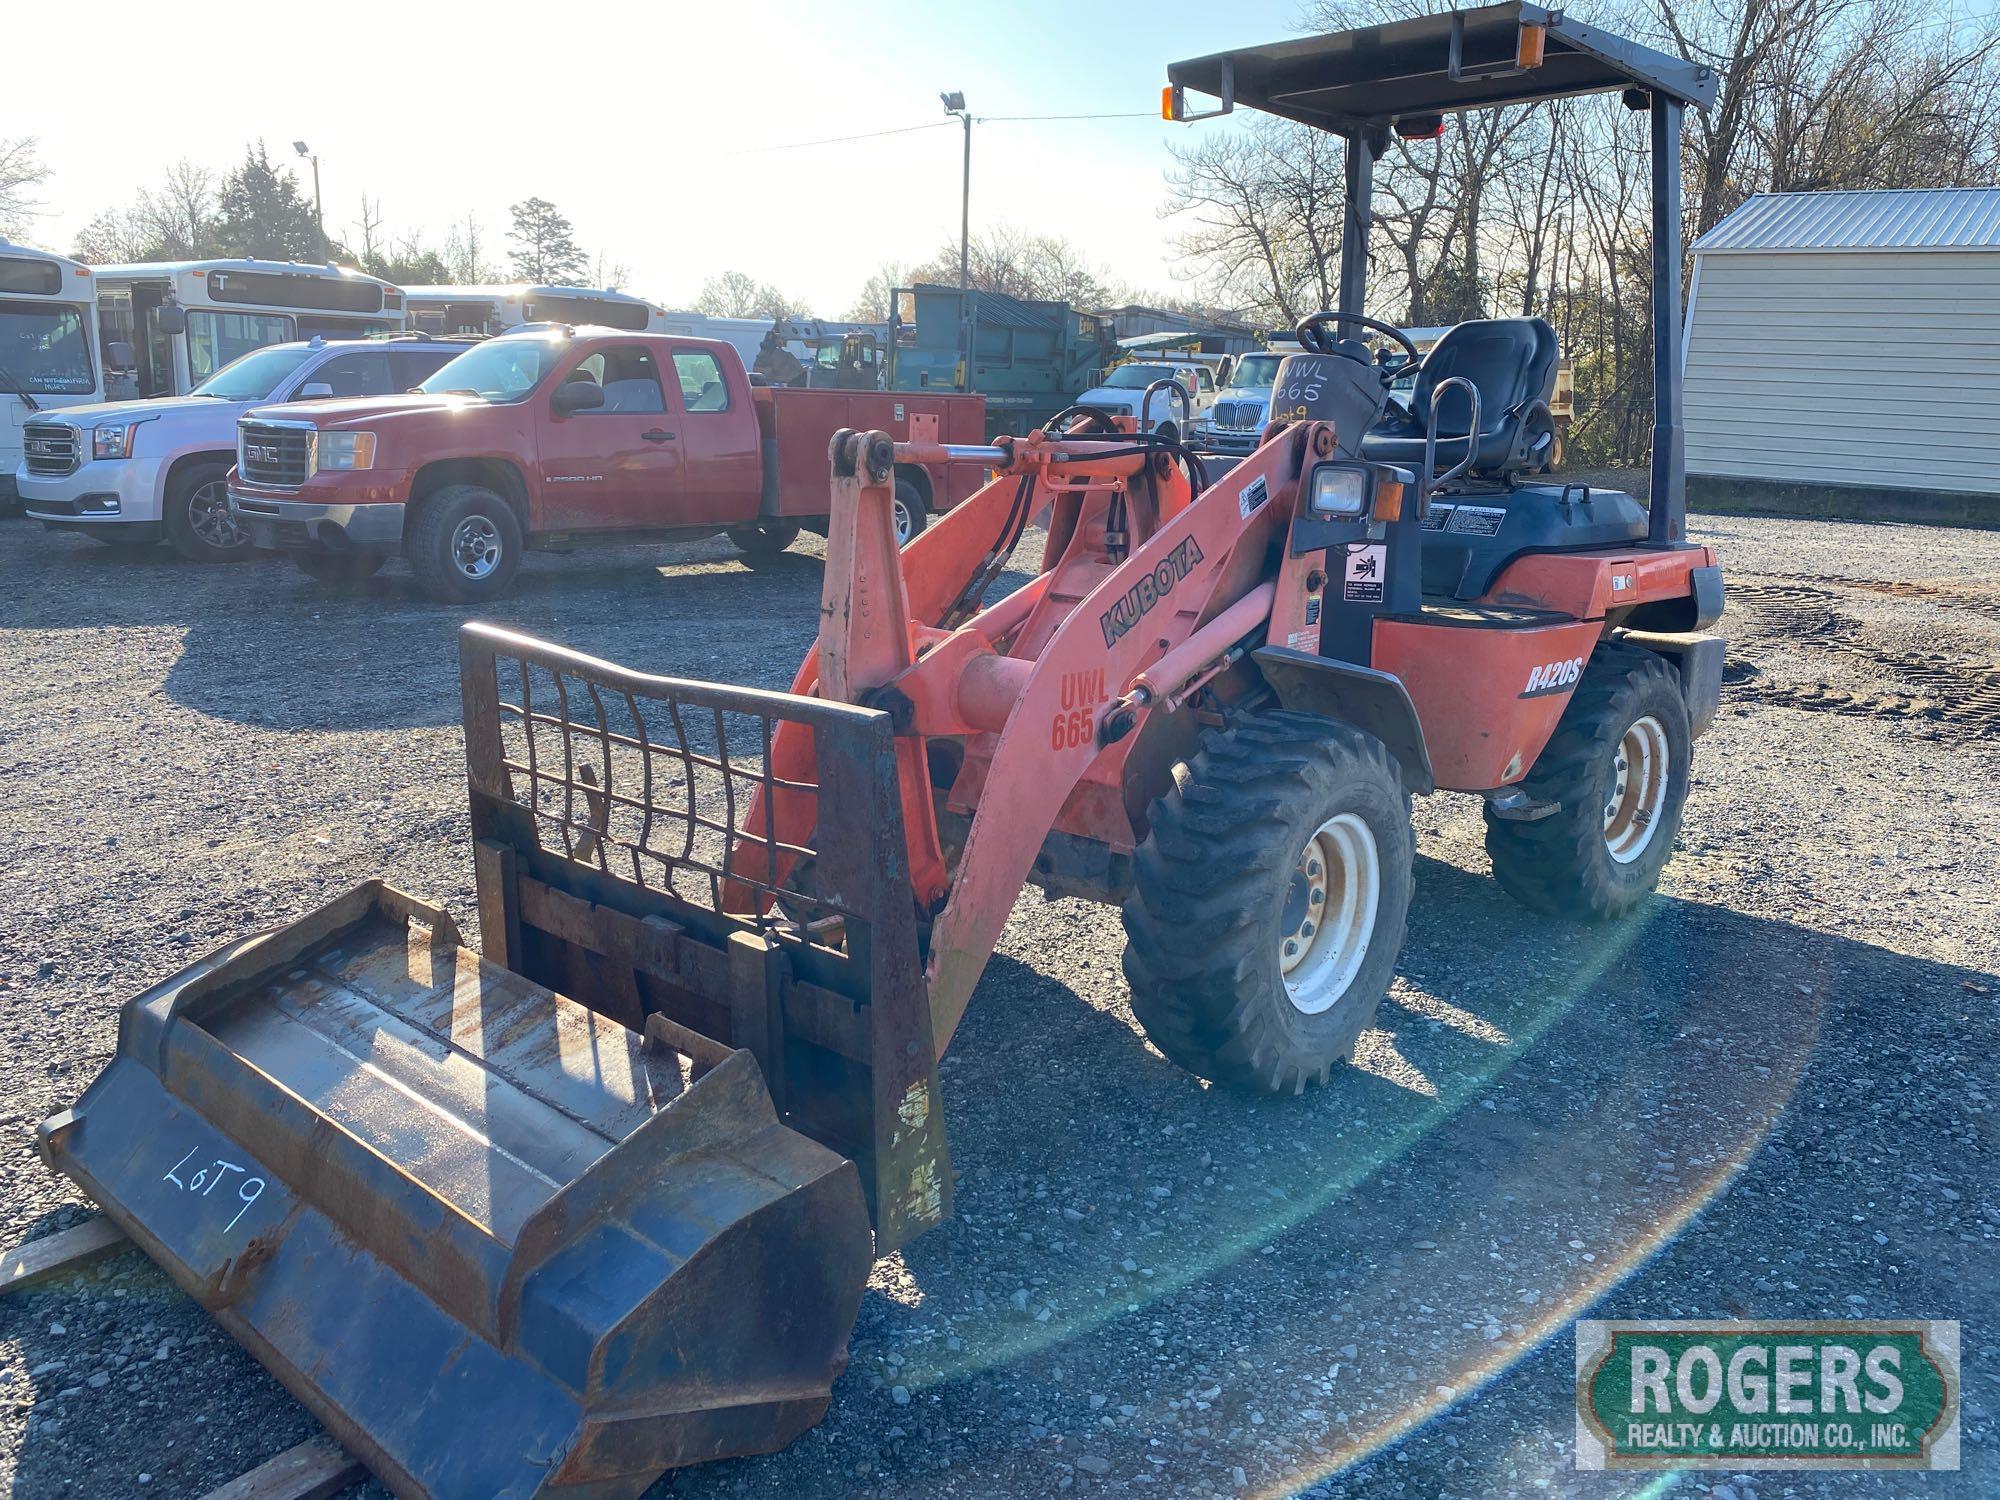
(118, 355)
(170, 317)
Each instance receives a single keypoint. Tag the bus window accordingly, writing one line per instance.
(215, 338)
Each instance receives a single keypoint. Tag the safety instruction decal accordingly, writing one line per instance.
(1251, 496)
(1476, 520)
(1366, 563)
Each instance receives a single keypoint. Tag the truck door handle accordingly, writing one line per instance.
(658, 435)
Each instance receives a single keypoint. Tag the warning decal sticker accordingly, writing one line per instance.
(1366, 563)
(1251, 496)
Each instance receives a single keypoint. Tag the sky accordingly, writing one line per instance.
(653, 126)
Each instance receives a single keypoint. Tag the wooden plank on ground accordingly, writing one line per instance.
(53, 1254)
(312, 1471)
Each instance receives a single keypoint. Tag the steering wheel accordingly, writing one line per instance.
(1309, 334)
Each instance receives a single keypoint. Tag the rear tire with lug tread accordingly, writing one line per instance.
(198, 524)
(1281, 816)
(1617, 765)
(464, 544)
(339, 567)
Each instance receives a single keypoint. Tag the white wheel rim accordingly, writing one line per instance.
(905, 523)
(1329, 913)
(1638, 790)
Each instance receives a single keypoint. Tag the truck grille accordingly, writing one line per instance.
(1239, 413)
(279, 457)
(50, 448)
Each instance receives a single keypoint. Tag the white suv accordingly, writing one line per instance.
(132, 473)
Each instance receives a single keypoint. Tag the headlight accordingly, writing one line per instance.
(114, 439)
(1341, 489)
(346, 450)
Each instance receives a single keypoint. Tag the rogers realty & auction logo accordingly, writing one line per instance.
(1767, 1395)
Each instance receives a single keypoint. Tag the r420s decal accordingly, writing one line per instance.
(1553, 677)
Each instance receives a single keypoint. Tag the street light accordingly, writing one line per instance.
(954, 104)
(319, 213)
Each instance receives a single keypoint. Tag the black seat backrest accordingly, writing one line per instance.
(1511, 361)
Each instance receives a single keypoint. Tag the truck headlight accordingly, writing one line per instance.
(114, 439)
(1341, 489)
(346, 450)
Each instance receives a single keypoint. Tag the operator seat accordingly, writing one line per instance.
(1511, 362)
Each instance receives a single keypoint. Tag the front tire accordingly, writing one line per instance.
(198, 523)
(464, 544)
(1617, 765)
(1269, 901)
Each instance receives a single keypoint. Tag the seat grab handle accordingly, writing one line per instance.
(1431, 477)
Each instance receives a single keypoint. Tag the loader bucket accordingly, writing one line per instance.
(548, 1221)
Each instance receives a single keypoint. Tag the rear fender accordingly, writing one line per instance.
(1698, 659)
(1374, 702)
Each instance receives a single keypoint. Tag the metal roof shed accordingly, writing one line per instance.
(1843, 352)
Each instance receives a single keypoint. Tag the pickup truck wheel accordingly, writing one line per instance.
(911, 516)
(198, 523)
(761, 541)
(339, 567)
(464, 544)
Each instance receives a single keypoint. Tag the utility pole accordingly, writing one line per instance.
(954, 104)
(319, 211)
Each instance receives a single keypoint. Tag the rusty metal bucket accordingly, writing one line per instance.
(500, 1245)
(549, 1221)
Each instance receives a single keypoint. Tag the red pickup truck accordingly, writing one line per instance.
(562, 436)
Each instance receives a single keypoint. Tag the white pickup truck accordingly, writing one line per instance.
(133, 473)
(1125, 387)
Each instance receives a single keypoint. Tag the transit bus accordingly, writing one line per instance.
(487, 310)
(48, 338)
(167, 327)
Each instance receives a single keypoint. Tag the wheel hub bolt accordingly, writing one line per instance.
(1291, 948)
(1312, 868)
(1317, 897)
(1307, 929)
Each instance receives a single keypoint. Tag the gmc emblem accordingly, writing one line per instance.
(41, 445)
(261, 453)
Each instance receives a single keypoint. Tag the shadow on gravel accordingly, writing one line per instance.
(1153, 1280)
(1175, 1280)
(296, 655)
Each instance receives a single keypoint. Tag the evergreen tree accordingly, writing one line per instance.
(545, 248)
(263, 213)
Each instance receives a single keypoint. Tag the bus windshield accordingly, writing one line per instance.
(43, 349)
(1254, 372)
(255, 376)
(503, 370)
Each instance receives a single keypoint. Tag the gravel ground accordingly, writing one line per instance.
(1770, 1094)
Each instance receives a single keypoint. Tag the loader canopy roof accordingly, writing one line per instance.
(1455, 60)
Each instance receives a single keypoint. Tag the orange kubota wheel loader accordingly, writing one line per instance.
(601, 1198)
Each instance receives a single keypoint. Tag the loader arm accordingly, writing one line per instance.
(1141, 580)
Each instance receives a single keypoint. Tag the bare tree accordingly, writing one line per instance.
(21, 174)
(735, 295)
(1015, 263)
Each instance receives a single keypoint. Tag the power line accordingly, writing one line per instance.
(870, 135)
(836, 140)
(1136, 114)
